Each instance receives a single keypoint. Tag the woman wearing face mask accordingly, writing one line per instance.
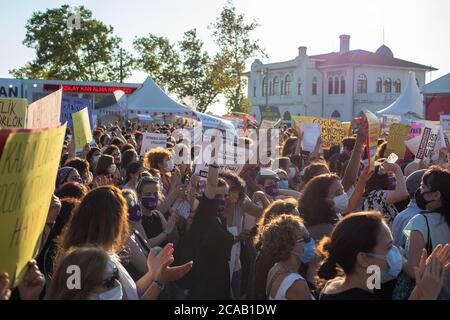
(92, 157)
(161, 159)
(283, 184)
(101, 219)
(99, 276)
(432, 227)
(288, 241)
(385, 187)
(114, 151)
(104, 172)
(82, 167)
(363, 240)
(67, 174)
(322, 200)
(158, 229)
(133, 173)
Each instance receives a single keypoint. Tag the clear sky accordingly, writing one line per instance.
(415, 30)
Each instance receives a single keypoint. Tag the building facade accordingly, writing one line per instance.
(337, 84)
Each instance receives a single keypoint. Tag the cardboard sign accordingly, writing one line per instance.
(12, 113)
(45, 112)
(423, 146)
(28, 167)
(70, 105)
(81, 128)
(331, 130)
(153, 140)
(398, 134)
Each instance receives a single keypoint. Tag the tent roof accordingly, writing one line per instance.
(410, 102)
(438, 86)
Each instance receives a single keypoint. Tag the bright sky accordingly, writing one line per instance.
(415, 30)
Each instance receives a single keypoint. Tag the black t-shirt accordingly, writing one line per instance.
(350, 294)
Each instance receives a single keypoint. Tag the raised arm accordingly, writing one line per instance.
(351, 172)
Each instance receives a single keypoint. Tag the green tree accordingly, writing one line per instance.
(232, 35)
(87, 53)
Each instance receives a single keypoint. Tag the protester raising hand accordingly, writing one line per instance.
(430, 273)
(32, 283)
(351, 172)
(5, 292)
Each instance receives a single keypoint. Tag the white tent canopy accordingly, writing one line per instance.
(409, 104)
(438, 86)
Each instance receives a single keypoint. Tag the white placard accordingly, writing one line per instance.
(311, 132)
(153, 140)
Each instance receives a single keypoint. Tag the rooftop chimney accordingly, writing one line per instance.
(302, 51)
(345, 43)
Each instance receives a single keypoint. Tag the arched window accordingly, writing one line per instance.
(336, 114)
(299, 87)
(287, 116)
(361, 86)
(264, 87)
(254, 91)
(287, 85)
(388, 85)
(276, 86)
(342, 85)
(336, 85)
(398, 86)
(379, 85)
(270, 88)
(314, 86)
(330, 85)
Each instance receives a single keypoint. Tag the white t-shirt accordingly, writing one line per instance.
(129, 289)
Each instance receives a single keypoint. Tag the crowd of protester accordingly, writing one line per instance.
(308, 226)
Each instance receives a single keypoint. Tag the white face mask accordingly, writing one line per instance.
(291, 173)
(340, 202)
(112, 168)
(112, 294)
(170, 165)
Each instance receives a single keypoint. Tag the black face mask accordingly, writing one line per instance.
(420, 200)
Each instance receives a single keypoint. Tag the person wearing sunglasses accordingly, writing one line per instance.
(289, 242)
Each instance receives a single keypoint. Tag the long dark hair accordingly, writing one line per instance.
(438, 179)
(355, 233)
(313, 206)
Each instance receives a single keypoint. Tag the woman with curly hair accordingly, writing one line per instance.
(287, 239)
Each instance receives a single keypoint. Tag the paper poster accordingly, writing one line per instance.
(445, 121)
(81, 128)
(331, 130)
(12, 113)
(374, 130)
(45, 112)
(266, 124)
(396, 140)
(426, 146)
(28, 166)
(388, 120)
(311, 132)
(153, 140)
(70, 105)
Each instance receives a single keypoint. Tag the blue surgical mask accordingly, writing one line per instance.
(112, 294)
(283, 184)
(309, 251)
(394, 260)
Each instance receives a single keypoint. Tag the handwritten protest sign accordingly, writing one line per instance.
(45, 112)
(396, 140)
(374, 129)
(28, 166)
(332, 131)
(81, 128)
(311, 132)
(266, 124)
(347, 127)
(388, 120)
(70, 105)
(445, 121)
(423, 146)
(12, 113)
(153, 140)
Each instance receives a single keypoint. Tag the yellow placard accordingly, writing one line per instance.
(45, 112)
(81, 128)
(398, 134)
(331, 130)
(28, 167)
(374, 130)
(12, 112)
(347, 126)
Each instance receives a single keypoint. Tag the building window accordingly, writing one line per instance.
(330, 85)
(361, 84)
(388, 85)
(314, 87)
(270, 88)
(336, 85)
(254, 91)
(287, 85)
(299, 87)
(417, 81)
(379, 85)
(276, 86)
(398, 86)
(264, 87)
(336, 114)
(342, 85)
